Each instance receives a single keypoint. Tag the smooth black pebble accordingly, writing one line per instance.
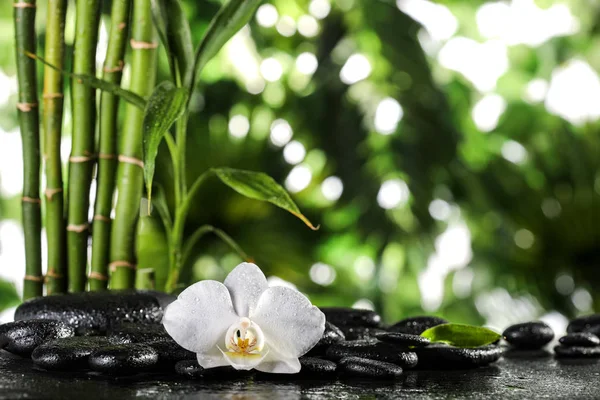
(361, 367)
(416, 325)
(97, 310)
(577, 351)
(589, 323)
(403, 339)
(316, 366)
(169, 353)
(331, 335)
(584, 339)
(123, 359)
(372, 350)
(67, 354)
(529, 335)
(360, 332)
(189, 368)
(437, 356)
(22, 337)
(138, 333)
(351, 316)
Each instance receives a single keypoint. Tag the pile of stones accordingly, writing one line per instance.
(119, 333)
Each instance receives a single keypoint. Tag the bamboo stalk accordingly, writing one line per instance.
(82, 152)
(24, 21)
(107, 160)
(56, 277)
(130, 173)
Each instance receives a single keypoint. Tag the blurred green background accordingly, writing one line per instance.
(449, 150)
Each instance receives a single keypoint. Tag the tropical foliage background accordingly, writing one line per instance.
(449, 150)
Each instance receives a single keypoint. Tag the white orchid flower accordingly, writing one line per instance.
(245, 323)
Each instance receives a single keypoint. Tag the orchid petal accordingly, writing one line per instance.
(241, 361)
(212, 359)
(246, 283)
(291, 324)
(277, 364)
(200, 317)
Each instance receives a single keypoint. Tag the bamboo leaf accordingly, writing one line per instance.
(460, 335)
(8, 295)
(228, 21)
(96, 83)
(260, 186)
(175, 34)
(166, 104)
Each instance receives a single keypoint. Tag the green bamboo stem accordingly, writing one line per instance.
(107, 160)
(82, 151)
(56, 277)
(145, 279)
(24, 21)
(130, 173)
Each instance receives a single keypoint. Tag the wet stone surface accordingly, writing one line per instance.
(123, 359)
(355, 366)
(331, 335)
(584, 339)
(340, 316)
(67, 354)
(22, 338)
(402, 339)
(577, 351)
(317, 367)
(589, 323)
(438, 356)
(373, 350)
(360, 332)
(529, 335)
(97, 310)
(416, 325)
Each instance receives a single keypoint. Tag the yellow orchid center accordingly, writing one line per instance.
(244, 338)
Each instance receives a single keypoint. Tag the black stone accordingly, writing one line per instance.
(360, 332)
(331, 335)
(589, 323)
(189, 368)
(97, 310)
(438, 356)
(317, 367)
(584, 339)
(577, 351)
(403, 339)
(373, 350)
(170, 353)
(416, 325)
(123, 359)
(138, 333)
(22, 337)
(67, 354)
(529, 335)
(361, 367)
(351, 316)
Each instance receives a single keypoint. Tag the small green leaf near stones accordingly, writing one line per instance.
(460, 335)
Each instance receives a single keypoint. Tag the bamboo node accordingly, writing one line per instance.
(103, 156)
(53, 95)
(34, 200)
(26, 107)
(118, 68)
(53, 274)
(139, 45)
(102, 218)
(22, 4)
(50, 192)
(121, 26)
(78, 228)
(98, 276)
(33, 278)
(80, 159)
(131, 160)
(121, 264)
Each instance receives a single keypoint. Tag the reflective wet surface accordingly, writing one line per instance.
(536, 375)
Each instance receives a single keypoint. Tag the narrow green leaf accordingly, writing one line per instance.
(175, 34)
(96, 83)
(8, 295)
(260, 186)
(166, 104)
(460, 335)
(230, 19)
